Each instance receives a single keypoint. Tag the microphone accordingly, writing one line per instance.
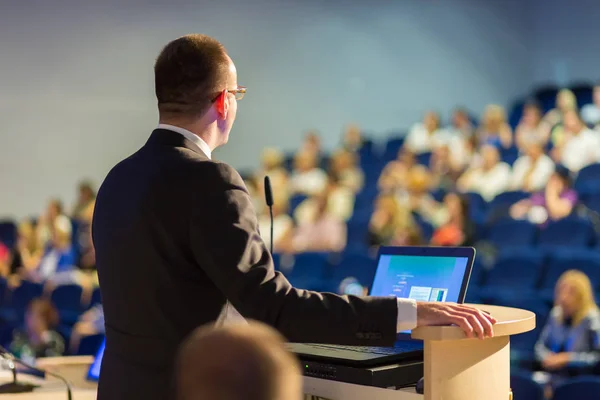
(269, 201)
(19, 387)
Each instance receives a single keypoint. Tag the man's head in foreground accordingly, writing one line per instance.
(246, 362)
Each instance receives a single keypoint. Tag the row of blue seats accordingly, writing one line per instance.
(66, 298)
(579, 388)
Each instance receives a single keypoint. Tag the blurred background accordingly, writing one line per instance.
(442, 122)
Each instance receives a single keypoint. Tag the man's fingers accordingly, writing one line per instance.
(463, 323)
(480, 321)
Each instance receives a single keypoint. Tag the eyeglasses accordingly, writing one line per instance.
(239, 93)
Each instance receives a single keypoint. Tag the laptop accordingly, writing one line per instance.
(94, 371)
(419, 273)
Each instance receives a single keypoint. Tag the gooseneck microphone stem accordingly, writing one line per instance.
(269, 201)
(18, 387)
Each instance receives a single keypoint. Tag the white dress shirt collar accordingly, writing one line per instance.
(197, 140)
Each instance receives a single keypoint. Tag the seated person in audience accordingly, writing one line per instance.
(528, 130)
(352, 140)
(459, 230)
(324, 232)
(418, 199)
(489, 177)
(551, 125)
(494, 130)
(461, 124)
(86, 199)
(580, 145)
(424, 137)
(236, 362)
(340, 203)
(89, 323)
(445, 171)
(344, 165)
(532, 170)
(58, 262)
(39, 339)
(312, 144)
(591, 112)
(272, 164)
(307, 178)
(395, 174)
(391, 223)
(556, 202)
(29, 251)
(46, 221)
(569, 344)
(283, 225)
(5, 261)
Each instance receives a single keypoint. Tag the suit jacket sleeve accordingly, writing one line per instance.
(227, 245)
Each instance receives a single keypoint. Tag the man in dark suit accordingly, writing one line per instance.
(177, 244)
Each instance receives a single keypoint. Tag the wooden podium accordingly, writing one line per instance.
(455, 368)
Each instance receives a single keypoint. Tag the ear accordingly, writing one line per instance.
(222, 104)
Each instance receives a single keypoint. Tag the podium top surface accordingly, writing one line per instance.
(510, 321)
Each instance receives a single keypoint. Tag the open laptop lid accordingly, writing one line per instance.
(94, 371)
(423, 274)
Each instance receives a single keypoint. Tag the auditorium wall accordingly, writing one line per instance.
(76, 79)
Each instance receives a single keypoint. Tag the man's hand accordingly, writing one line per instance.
(555, 361)
(474, 322)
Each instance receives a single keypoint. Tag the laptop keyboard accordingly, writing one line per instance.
(400, 347)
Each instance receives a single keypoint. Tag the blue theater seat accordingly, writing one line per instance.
(515, 272)
(392, 147)
(89, 345)
(356, 265)
(8, 233)
(67, 300)
(525, 388)
(309, 271)
(511, 233)
(568, 232)
(559, 261)
(18, 300)
(581, 388)
(507, 199)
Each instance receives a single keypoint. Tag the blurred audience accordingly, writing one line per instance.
(392, 224)
(395, 174)
(46, 222)
(552, 122)
(459, 230)
(591, 112)
(312, 144)
(461, 124)
(89, 323)
(569, 344)
(339, 203)
(555, 202)
(494, 129)
(237, 362)
(59, 260)
(272, 165)
(425, 136)
(531, 170)
(352, 139)
(319, 231)
(86, 199)
(344, 167)
(38, 339)
(528, 130)
(488, 176)
(307, 178)
(579, 146)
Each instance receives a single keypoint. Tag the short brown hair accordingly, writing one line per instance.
(189, 72)
(237, 362)
(46, 310)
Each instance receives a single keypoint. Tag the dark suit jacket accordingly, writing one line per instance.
(176, 237)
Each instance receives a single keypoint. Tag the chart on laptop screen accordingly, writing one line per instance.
(422, 278)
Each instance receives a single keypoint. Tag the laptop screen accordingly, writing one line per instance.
(423, 273)
(94, 371)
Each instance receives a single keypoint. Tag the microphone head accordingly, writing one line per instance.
(268, 192)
